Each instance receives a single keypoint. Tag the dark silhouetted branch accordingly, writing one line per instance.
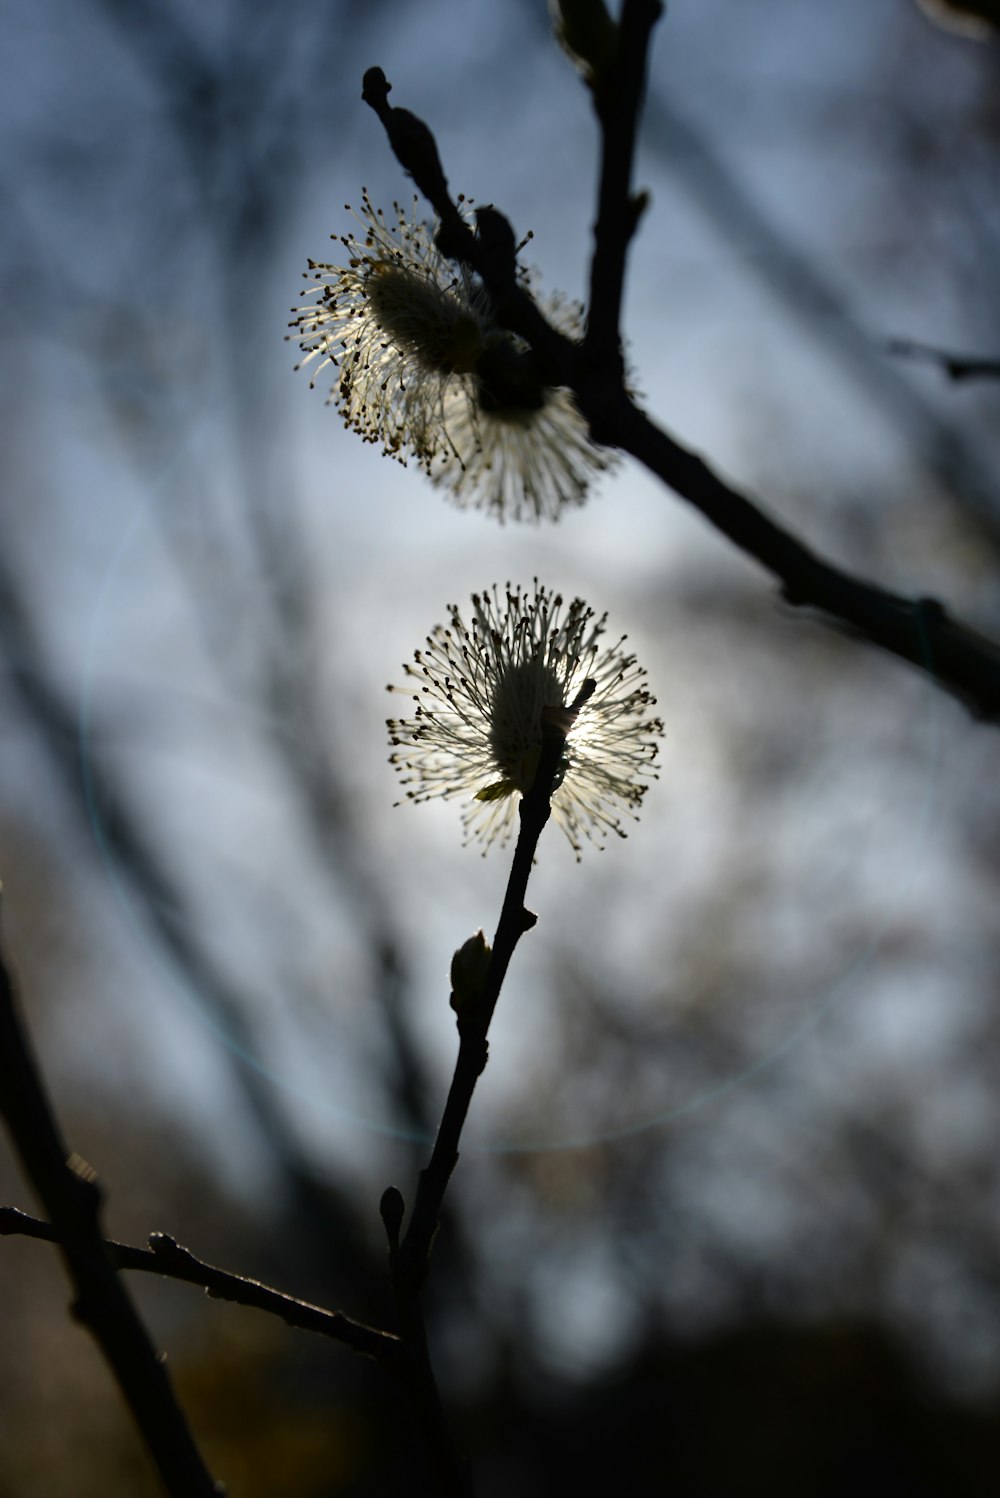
(409, 1256)
(920, 631)
(68, 1190)
(618, 102)
(474, 1020)
(167, 1258)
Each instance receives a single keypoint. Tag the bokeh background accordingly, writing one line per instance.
(728, 1214)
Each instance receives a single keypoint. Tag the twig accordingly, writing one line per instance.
(515, 920)
(617, 102)
(920, 631)
(71, 1196)
(414, 147)
(170, 1260)
(409, 1258)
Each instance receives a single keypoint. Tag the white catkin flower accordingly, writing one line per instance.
(424, 370)
(480, 689)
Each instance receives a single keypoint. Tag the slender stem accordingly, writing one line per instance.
(409, 1260)
(920, 631)
(70, 1194)
(618, 103)
(414, 1251)
(170, 1260)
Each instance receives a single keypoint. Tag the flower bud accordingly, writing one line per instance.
(469, 967)
(391, 1209)
(587, 34)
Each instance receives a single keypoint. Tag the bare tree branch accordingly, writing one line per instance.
(170, 1260)
(918, 630)
(617, 101)
(474, 1021)
(409, 1257)
(69, 1191)
(958, 658)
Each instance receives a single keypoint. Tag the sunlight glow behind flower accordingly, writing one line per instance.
(426, 371)
(476, 732)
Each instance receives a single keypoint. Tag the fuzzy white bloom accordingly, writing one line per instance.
(480, 689)
(424, 370)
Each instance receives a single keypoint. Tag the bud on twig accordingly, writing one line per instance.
(391, 1209)
(411, 140)
(588, 36)
(469, 967)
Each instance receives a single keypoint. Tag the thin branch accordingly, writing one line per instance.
(491, 254)
(69, 1191)
(958, 659)
(167, 1258)
(618, 101)
(409, 1259)
(920, 631)
(956, 366)
(515, 920)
